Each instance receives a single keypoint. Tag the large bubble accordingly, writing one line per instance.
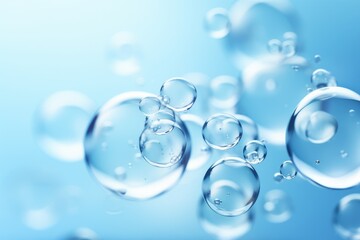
(113, 155)
(322, 137)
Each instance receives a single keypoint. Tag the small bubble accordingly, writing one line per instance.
(352, 112)
(274, 46)
(149, 105)
(107, 127)
(317, 162)
(317, 58)
(322, 78)
(343, 154)
(288, 48)
(217, 201)
(288, 170)
(296, 68)
(217, 23)
(255, 152)
(278, 177)
(130, 165)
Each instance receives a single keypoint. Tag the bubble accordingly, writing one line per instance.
(231, 186)
(83, 234)
(288, 170)
(322, 78)
(274, 46)
(150, 105)
(128, 121)
(61, 122)
(217, 23)
(278, 177)
(225, 92)
(124, 54)
(155, 122)
(288, 48)
(222, 131)
(40, 219)
(277, 206)
(352, 112)
(222, 226)
(290, 36)
(317, 161)
(346, 216)
(317, 58)
(200, 151)
(254, 152)
(320, 127)
(181, 93)
(334, 171)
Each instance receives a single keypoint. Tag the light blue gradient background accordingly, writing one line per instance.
(51, 45)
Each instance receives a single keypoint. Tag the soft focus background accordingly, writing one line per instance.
(51, 46)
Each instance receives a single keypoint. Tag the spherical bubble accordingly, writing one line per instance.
(124, 54)
(346, 217)
(288, 170)
(121, 167)
(222, 131)
(217, 23)
(278, 177)
(225, 92)
(329, 156)
(61, 122)
(200, 151)
(317, 58)
(322, 78)
(270, 94)
(253, 24)
(274, 46)
(222, 226)
(181, 94)
(288, 48)
(150, 105)
(277, 206)
(254, 152)
(231, 186)
(153, 121)
(164, 149)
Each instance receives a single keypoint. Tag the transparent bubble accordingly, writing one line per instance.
(125, 54)
(83, 234)
(217, 23)
(155, 122)
(181, 94)
(278, 177)
(288, 170)
(320, 127)
(334, 171)
(288, 48)
(273, 89)
(254, 152)
(346, 217)
(61, 122)
(253, 24)
(224, 227)
(123, 151)
(322, 78)
(290, 36)
(164, 149)
(274, 46)
(150, 105)
(277, 206)
(225, 92)
(200, 151)
(222, 131)
(317, 58)
(231, 186)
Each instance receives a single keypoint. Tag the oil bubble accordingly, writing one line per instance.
(128, 121)
(334, 171)
(255, 152)
(181, 94)
(288, 170)
(222, 131)
(322, 78)
(231, 186)
(217, 23)
(150, 105)
(277, 206)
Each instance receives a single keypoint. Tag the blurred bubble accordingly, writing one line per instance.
(322, 78)
(231, 186)
(346, 217)
(288, 48)
(278, 177)
(124, 54)
(222, 131)
(320, 157)
(317, 58)
(150, 105)
(225, 92)
(200, 151)
(224, 227)
(217, 23)
(277, 206)
(61, 122)
(40, 219)
(83, 234)
(181, 94)
(288, 170)
(274, 46)
(255, 152)
(142, 180)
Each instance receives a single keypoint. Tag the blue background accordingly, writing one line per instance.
(48, 46)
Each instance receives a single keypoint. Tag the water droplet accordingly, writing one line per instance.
(288, 170)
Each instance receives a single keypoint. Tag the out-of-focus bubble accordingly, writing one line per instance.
(224, 227)
(124, 54)
(40, 219)
(254, 152)
(156, 123)
(165, 149)
(288, 170)
(225, 92)
(222, 131)
(322, 78)
(150, 105)
(274, 46)
(253, 24)
(181, 94)
(278, 177)
(334, 132)
(317, 58)
(83, 234)
(347, 218)
(217, 23)
(288, 48)
(141, 180)
(200, 151)
(61, 122)
(276, 89)
(290, 36)
(231, 186)
(277, 206)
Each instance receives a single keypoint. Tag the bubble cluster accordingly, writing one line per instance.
(255, 152)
